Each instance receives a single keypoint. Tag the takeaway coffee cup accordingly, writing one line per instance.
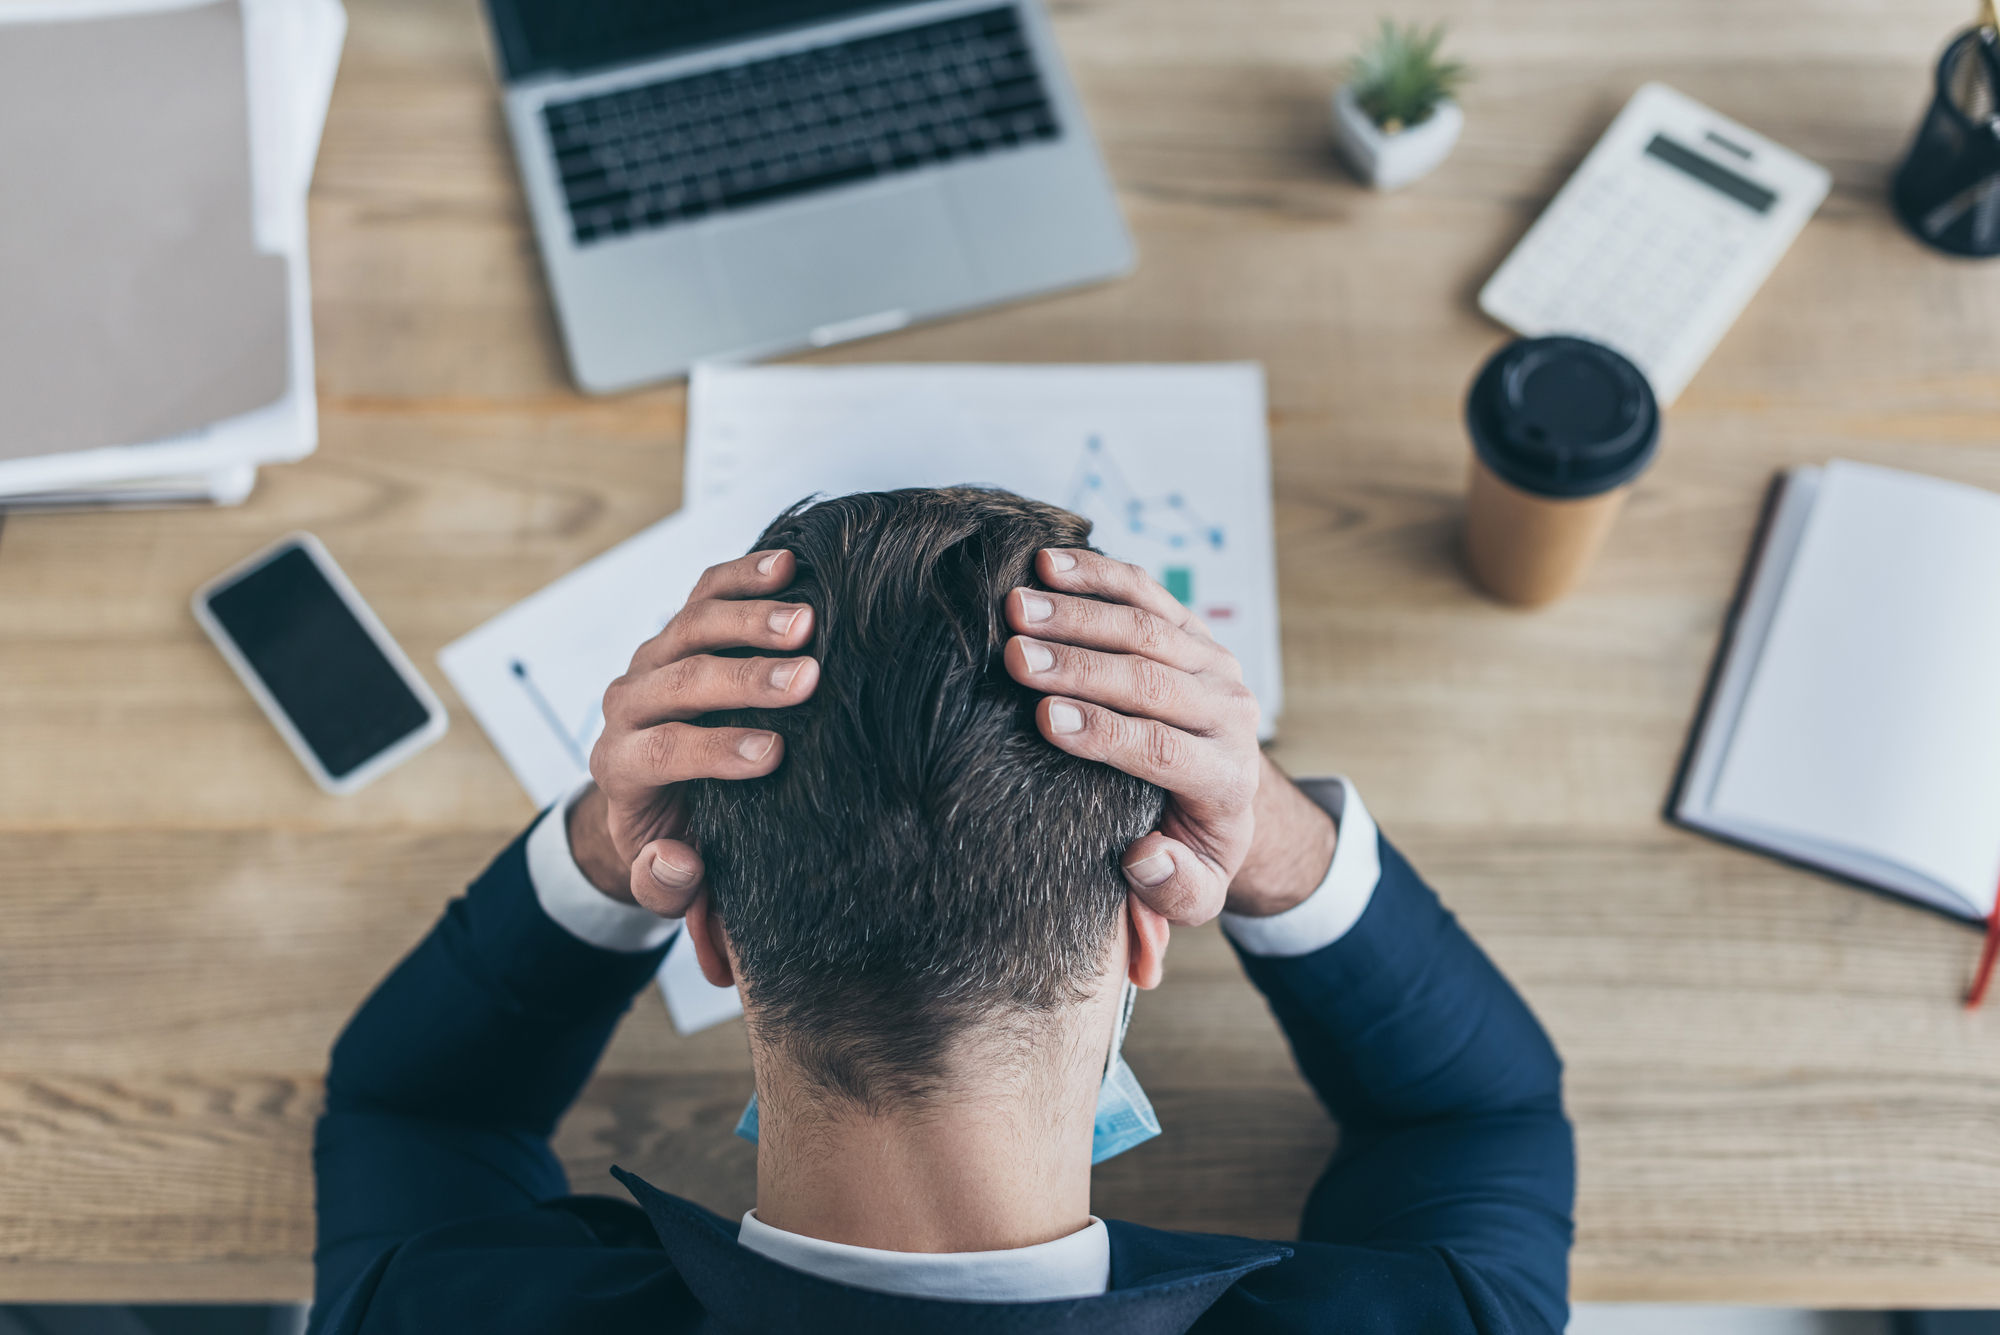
(1560, 428)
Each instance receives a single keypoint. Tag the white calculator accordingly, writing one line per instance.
(1660, 239)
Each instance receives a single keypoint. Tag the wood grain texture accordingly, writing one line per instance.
(1776, 1096)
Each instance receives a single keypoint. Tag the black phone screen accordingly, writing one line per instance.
(321, 665)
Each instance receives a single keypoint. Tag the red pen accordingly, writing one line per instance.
(1984, 974)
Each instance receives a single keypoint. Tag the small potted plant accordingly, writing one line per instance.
(1395, 116)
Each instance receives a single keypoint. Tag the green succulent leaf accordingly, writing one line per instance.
(1399, 80)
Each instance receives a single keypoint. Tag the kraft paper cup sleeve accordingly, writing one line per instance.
(1529, 550)
(1560, 428)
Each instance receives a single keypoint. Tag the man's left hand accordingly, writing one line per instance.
(650, 750)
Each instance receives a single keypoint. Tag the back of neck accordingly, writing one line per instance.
(990, 1163)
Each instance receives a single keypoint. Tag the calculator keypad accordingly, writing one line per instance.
(1629, 259)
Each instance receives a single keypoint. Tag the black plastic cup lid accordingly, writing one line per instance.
(1563, 417)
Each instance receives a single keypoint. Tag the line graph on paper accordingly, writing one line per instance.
(576, 740)
(1126, 518)
(569, 703)
(1169, 463)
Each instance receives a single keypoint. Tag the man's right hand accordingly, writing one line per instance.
(1133, 679)
(648, 753)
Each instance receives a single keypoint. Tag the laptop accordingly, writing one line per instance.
(728, 179)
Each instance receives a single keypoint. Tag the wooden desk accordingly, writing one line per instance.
(1777, 1097)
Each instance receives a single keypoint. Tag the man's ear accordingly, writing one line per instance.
(711, 942)
(1146, 963)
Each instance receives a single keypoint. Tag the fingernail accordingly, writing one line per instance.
(1065, 718)
(1034, 607)
(768, 564)
(671, 874)
(781, 621)
(757, 745)
(783, 674)
(1060, 560)
(1151, 871)
(1038, 656)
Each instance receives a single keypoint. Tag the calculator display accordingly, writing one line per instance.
(1712, 173)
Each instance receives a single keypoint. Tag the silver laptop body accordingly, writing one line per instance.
(805, 186)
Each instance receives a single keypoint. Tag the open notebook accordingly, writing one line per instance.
(1853, 722)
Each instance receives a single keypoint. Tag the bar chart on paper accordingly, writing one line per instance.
(1170, 463)
(1168, 527)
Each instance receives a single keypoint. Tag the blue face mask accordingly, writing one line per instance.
(1125, 1116)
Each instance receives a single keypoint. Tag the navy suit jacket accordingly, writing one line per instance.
(1445, 1208)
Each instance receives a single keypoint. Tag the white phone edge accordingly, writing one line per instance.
(382, 761)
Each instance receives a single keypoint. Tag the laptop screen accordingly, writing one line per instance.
(539, 36)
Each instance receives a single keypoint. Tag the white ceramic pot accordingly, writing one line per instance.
(1390, 161)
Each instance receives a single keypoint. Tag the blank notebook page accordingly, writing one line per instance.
(1873, 720)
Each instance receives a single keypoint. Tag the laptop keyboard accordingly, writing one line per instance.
(644, 157)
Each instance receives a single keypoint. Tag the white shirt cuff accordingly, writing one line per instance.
(1324, 916)
(577, 906)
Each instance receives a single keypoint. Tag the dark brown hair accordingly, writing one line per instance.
(923, 858)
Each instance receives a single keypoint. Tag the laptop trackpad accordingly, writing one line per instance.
(843, 260)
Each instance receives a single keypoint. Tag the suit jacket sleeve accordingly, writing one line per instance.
(448, 1081)
(1454, 1149)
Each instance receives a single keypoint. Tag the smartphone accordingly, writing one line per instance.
(340, 692)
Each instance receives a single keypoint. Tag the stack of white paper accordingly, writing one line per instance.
(1172, 463)
(291, 51)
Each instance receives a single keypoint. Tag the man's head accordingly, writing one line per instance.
(923, 861)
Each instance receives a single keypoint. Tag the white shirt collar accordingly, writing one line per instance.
(1078, 1266)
